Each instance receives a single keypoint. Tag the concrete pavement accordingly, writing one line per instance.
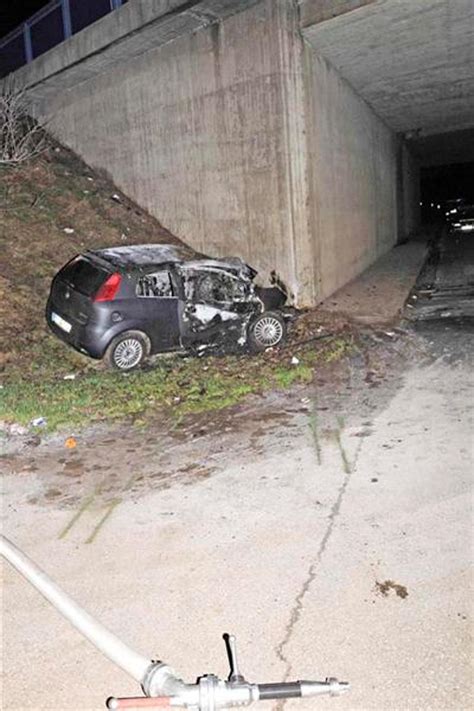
(377, 296)
(286, 540)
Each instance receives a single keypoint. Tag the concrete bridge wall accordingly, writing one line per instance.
(353, 187)
(241, 140)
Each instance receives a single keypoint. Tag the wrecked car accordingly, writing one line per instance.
(126, 303)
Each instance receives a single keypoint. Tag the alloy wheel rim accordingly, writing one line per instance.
(128, 353)
(268, 331)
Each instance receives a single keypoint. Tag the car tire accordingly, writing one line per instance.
(267, 330)
(127, 351)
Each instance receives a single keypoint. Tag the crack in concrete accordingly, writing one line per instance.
(311, 575)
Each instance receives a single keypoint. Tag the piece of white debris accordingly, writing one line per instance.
(305, 400)
(86, 192)
(295, 361)
(70, 376)
(68, 230)
(39, 422)
(16, 429)
(89, 178)
(116, 197)
(390, 334)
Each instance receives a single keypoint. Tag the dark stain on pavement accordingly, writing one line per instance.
(384, 588)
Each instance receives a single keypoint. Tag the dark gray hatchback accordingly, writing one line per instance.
(126, 303)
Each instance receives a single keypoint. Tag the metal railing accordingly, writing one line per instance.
(51, 25)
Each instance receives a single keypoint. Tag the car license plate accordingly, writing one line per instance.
(62, 323)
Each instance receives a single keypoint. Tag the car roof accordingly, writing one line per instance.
(149, 255)
(141, 255)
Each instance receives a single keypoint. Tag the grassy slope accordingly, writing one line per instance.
(38, 201)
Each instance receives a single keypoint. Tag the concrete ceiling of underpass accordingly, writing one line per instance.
(411, 60)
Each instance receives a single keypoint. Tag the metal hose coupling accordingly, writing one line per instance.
(164, 689)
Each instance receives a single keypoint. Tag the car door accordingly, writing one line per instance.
(157, 301)
(215, 306)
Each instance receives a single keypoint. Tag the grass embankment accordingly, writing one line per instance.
(50, 210)
(181, 385)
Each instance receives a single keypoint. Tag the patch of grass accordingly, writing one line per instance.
(180, 385)
(333, 349)
(285, 377)
(314, 427)
(345, 459)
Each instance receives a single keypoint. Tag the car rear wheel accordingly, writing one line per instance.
(127, 351)
(266, 331)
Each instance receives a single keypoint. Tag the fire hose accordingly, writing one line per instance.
(160, 684)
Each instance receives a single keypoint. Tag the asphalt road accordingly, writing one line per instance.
(347, 554)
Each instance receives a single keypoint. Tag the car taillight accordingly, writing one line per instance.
(109, 288)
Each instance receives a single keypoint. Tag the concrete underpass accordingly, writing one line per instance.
(329, 526)
(289, 133)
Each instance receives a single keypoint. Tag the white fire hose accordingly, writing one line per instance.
(163, 688)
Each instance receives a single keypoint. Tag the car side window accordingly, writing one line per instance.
(155, 285)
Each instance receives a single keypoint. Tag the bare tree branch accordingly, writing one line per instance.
(21, 136)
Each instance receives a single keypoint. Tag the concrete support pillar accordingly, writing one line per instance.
(27, 42)
(66, 15)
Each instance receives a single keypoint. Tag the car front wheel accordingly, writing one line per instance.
(127, 351)
(267, 330)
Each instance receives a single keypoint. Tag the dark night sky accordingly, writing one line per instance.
(13, 13)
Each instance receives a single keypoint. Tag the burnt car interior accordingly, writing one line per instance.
(157, 284)
(213, 287)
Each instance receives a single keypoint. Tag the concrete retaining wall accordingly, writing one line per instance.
(197, 132)
(242, 141)
(353, 158)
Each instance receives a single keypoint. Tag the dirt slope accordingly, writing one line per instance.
(51, 209)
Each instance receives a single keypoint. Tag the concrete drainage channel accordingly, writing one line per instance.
(445, 287)
(160, 684)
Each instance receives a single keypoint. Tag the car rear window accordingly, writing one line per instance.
(83, 275)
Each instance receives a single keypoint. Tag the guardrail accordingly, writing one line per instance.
(51, 25)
